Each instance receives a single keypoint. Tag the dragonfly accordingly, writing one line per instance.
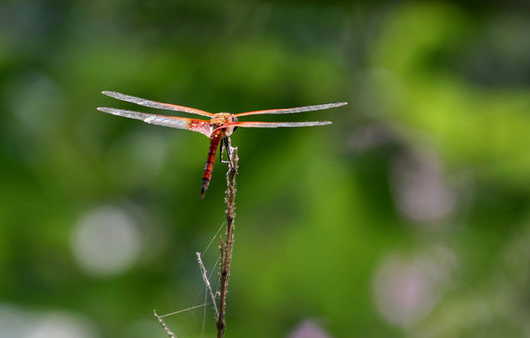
(218, 129)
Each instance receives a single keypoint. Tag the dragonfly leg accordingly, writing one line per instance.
(226, 145)
(221, 152)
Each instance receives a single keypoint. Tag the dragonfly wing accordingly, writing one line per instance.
(294, 110)
(252, 124)
(199, 126)
(155, 104)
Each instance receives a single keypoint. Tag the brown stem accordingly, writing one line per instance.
(226, 246)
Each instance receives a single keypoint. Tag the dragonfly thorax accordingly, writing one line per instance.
(220, 119)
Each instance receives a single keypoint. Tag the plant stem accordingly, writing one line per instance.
(168, 331)
(226, 246)
(207, 282)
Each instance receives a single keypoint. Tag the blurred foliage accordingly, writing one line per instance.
(409, 216)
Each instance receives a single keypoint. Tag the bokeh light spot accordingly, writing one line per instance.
(106, 241)
(25, 323)
(419, 189)
(407, 288)
(308, 329)
(62, 325)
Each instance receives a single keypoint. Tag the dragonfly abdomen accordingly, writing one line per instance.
(215, 139)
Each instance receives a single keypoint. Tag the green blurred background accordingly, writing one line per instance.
(409, 216)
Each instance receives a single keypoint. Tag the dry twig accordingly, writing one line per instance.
(207, 283)
(168, 331)
(226, 246)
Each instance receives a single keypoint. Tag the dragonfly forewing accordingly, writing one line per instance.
(154, 104)
(294, 110)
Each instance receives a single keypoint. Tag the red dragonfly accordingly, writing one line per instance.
(218, 129)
